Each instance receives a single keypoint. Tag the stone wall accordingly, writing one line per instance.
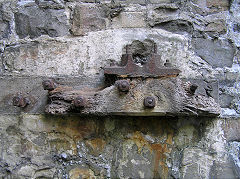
(72, 41)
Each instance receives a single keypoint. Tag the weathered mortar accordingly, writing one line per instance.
(73, 40)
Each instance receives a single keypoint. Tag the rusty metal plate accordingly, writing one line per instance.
(148, 69)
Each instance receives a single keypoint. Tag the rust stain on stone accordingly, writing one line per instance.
(160, 151)
(140, 141)
(82, 173)
(97, 145)
(170, 137)
(60, 144)
(75, 129)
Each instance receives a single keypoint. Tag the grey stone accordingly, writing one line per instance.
(205, 7)
(176, 26)
(138, 165)
(225, 100)
(234, 152)
(157, 14)
(236, 104)
(4, 24)
(159, 1)
(34, 22)
(4, 29)
(87, 18)
(40, 140)
(141, 2)
(218, 5)
(236, 28)
(218, 53)
(12, 53)
(195, 159)
(129, 20)
(231, 130)
(216, 26)
(53, 4)
(233, 22)
(222, 170)
(141, 50)
(112, 10)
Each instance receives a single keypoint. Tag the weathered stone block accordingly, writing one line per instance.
(159, 1)
(129, 20)
(218, 5)
(87, 18)
(195, 159)
(141, 2)
(11, 54)
(218, 26)
(33, 21)
(53, 4)
(205, 7)
(233, 23)
(225, 100)
(4, 29)
(4, 24)
(162, 13)
(216, 53)
(176, 26)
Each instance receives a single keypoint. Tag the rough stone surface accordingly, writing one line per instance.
(129, 20)
(5, 18)
(58, 147)
(4, 27)
(217, 54)
(87, 18)
(34, 21)
(233, 31)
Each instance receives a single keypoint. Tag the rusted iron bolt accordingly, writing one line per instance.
(123, 85)
(79, 102)
(149, 102)
(20, 101)
(49, 85)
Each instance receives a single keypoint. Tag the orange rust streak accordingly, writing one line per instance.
(160, 159)
(160, 151)
(96, 144)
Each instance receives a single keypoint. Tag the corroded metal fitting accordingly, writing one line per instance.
(149, 102)
(49, 85)
(123, 85)
(20, 101)
(79, 102)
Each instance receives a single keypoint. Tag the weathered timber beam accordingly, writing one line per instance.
(31, 88)
(170, 96)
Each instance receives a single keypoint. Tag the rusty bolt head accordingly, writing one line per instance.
(149, 102)
(123, 86)
(79, 102)
(49, 85)
(20, 101)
